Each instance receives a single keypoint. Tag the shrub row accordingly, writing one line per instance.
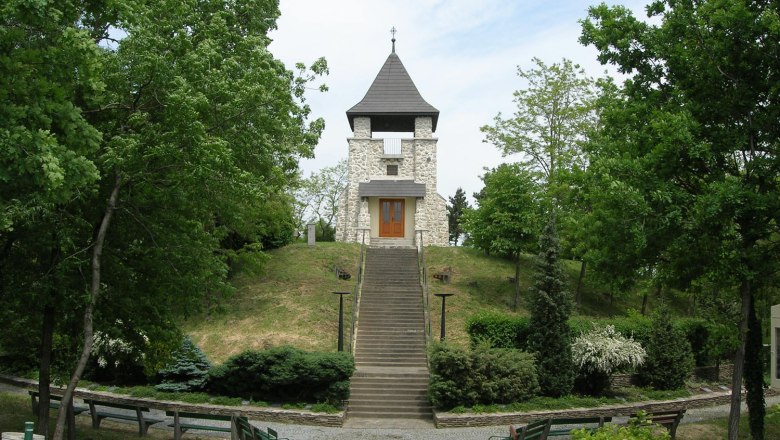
(481, 375)
(709, 341)
(284, 374)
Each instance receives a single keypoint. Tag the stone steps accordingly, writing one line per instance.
(391, 377)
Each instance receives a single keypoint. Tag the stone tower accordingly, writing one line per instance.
(391, 190)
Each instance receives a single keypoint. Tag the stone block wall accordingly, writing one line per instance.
(417, 162)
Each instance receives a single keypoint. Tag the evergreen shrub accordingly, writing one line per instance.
(498, 330)
(669, 357)
(284, 374)
(186, 372)
(480, 376)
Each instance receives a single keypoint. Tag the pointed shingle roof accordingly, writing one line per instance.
(392, 101)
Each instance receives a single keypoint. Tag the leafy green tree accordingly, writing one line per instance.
(555, 114)
(550, 336)
(455, 209)
(127, 168)
(699, 118)
(507, 219)
(318, 199)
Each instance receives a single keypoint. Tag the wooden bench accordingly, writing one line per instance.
(590, 423)
(667, 419)
(180, 427)
(54, 403)
(247, 431)
(98, 416)
(536, 430)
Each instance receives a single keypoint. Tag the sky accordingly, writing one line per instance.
(462, 55)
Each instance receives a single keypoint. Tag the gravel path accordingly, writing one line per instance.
(416, 429)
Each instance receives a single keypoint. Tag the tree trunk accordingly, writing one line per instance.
(739, 362)
(754, 374)
(580, 280)
(97, 253)
(644, 303)
(517, 282)
(44, 373)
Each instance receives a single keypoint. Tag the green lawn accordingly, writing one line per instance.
(292, 301)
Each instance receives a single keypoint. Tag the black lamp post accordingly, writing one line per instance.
(341, 318)
(443, 297)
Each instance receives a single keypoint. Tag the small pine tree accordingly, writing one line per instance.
(458, 204)
(669, 355)
(550, 336)
(187, 371)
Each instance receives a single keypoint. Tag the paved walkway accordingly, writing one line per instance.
(416, 429)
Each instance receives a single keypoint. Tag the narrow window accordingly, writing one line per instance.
(392, 170)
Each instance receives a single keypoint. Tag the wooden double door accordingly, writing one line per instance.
(391, 217)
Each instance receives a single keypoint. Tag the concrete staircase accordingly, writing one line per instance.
(391, 378)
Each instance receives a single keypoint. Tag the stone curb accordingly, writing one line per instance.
(251, 412)
(449, 420)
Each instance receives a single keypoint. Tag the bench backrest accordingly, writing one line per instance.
(533, 430)
(203, 416)
(580, 420)
(245, 429)
(116, 405)
(37, 395)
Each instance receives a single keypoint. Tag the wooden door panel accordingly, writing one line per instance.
(391, 217)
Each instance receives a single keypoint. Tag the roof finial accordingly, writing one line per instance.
(392, 31)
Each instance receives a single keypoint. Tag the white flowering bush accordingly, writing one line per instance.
(119, 360)
(600, 353)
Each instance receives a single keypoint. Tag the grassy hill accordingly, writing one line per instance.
(291, 302)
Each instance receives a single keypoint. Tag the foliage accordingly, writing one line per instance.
(480, 376)
(118, 360)
(455, 209)
(284, 374)
(669, 358)
(507, 219)
(549, 337)
(693, 136)
(317, 199)
(498, 330)
(639, 428)
(601, 352)
(187, 371)
(554, 114)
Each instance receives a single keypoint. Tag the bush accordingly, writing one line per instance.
(482, 375)
(601, 352)
(669, 358)
(697, 332)
(637, 429)
(498, 331)
(284, 374)
(187, 371)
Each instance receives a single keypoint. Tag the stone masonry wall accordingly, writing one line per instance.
(417, 162)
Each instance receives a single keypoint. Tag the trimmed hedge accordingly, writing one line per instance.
(284, 374)
(505, 331)
(480, 376)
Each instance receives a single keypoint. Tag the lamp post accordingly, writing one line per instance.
(443, 297)
(341, 318)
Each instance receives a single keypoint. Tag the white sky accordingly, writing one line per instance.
(461, 54)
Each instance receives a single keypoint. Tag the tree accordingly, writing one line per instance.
(700, 116)
(555, 114)
(669, 357)
(318, 198)
(550, 336)
(141, 161)
(506, 221)
(455, 209)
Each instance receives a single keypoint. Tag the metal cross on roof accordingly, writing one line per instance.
(393, 31)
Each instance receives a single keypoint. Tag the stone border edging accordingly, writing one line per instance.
(449, 420)
(251, 412)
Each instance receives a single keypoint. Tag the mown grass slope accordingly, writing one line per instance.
(291, 302)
